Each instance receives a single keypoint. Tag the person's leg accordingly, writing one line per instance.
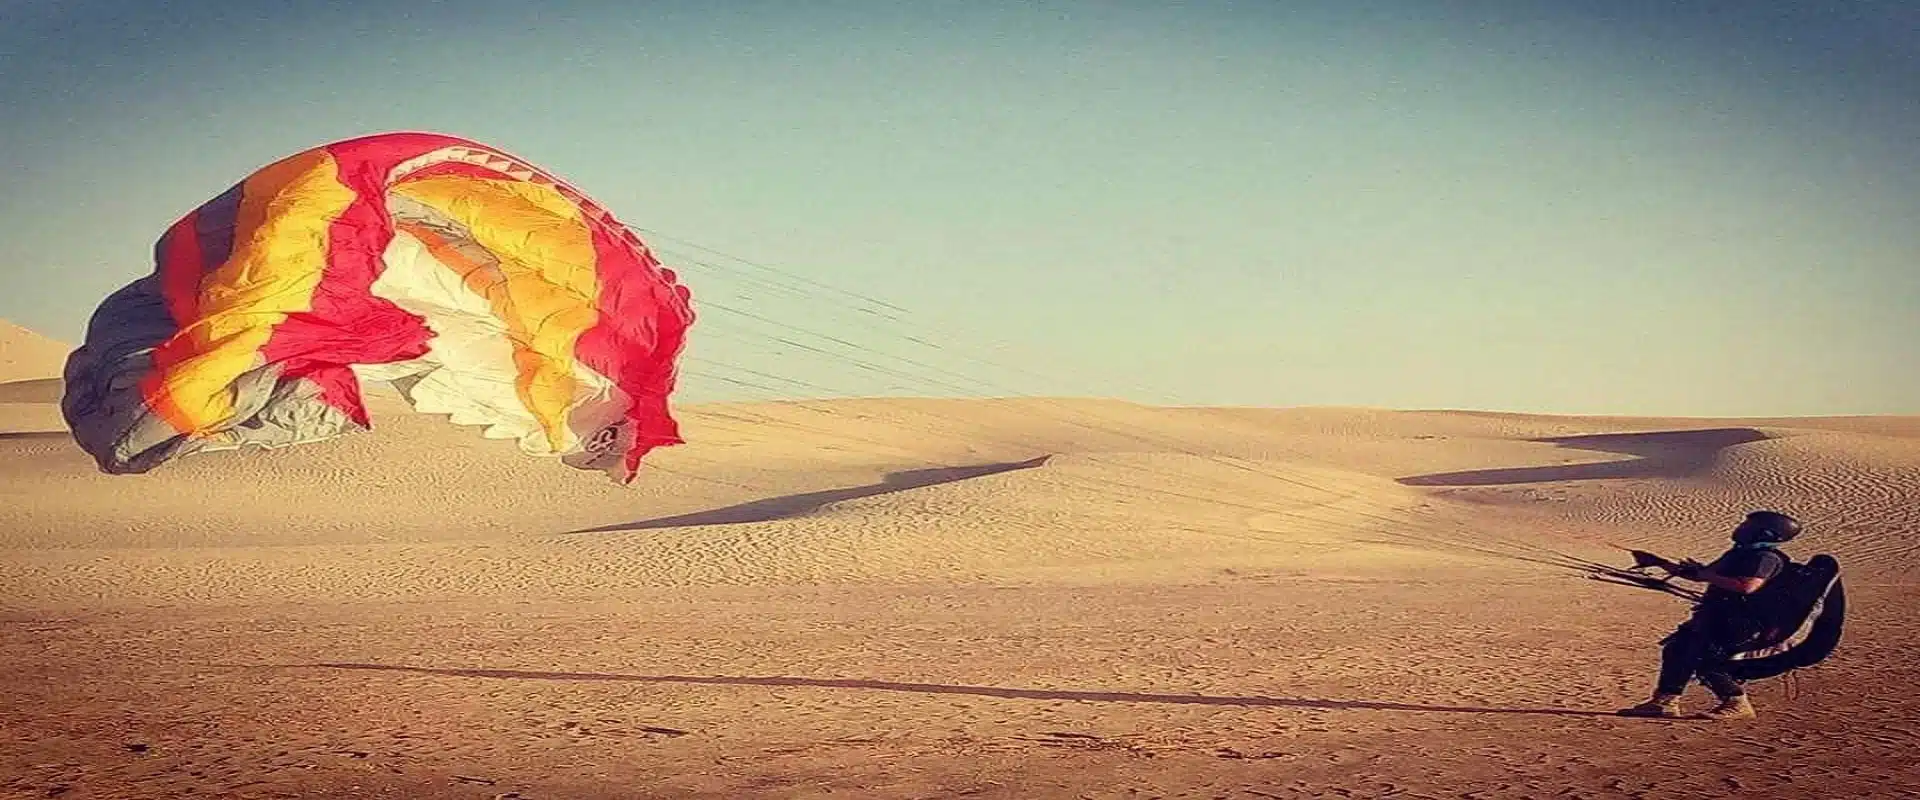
(1734, 703)
(1680, 657)
(1722, 685)
(1680, 660)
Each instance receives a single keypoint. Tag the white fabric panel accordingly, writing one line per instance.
(468, 371)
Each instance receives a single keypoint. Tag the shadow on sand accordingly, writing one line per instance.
(1662, 454)
(981, 691)
(34, 436)
(794, 505)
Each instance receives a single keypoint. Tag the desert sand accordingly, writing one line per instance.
(914, 598)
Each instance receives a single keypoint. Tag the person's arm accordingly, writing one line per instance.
(1741, 585)
(1745, 583)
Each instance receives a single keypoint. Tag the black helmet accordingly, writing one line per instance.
(1766, 526)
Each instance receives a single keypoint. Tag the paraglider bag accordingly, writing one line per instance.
(1800, 615)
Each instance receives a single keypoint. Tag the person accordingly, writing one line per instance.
(1722, 621)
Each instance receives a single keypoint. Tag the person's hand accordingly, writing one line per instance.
(1643, 559)
(1687, 568)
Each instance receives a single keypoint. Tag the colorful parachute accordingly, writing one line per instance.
(480, 286)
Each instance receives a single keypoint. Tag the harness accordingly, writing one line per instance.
(1801, 615)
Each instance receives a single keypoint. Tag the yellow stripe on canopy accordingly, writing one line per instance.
(278, 258)
(547, 290)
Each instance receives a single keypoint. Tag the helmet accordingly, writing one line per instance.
(1766, 526)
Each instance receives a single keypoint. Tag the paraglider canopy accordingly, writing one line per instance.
(480, 286)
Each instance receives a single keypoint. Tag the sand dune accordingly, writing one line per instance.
(1031, 597)
(25, 355)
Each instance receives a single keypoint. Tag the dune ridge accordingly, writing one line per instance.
(26, 355)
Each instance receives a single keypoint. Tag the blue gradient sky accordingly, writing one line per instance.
(1569, 207)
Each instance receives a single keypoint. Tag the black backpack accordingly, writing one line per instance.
(1801, 613)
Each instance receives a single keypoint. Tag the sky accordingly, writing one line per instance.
(1609, 206)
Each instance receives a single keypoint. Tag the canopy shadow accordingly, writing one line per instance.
(794, 505)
